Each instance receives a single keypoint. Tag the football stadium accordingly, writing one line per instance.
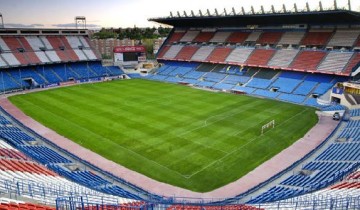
(239, 110)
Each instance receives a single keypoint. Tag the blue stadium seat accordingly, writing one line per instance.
(286, 85)
(305, 88)
(259, 83)
(247, 90)
(266, 93)
(292, 98)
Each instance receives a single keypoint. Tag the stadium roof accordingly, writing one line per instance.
(329, 17)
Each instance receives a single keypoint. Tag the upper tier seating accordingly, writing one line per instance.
(74, 42)
(55, 42)
(357, 43)
(163, 51)
(35, 42)
(238, 37)
(335, 61)
(202, 53)
(32, 58)
(62, 54)
(32, 50)
(90, 54)
(71, 55)
(21, 58)
(219, 54)
(344, 38)
(283, 58)
(12, 43)
(81, 55)
(3, 45)
(204, 37)
(65, 42)
(53, 56)
(186, 52)
(176, 36)
(292, 37)
(11, 59)
(84, 41)
(239, 55)
(220, 36)
(260, 57)
(189, 36)
(316, 38)
(269, 38)
(307, 60)
(173, 51)
(46, 42)
(268, 52)
(354, 61)
(253, 36)
(25, 44)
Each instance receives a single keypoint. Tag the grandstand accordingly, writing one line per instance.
(297, 65)
(48, 57)
(308, 58)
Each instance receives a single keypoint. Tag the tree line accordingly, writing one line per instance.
(132, 33)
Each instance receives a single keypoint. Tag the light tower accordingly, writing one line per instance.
(2, 21)
(80, 22)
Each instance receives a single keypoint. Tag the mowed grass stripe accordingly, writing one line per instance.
(186, 137)
(101, 144)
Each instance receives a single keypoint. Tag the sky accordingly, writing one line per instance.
(129, 13)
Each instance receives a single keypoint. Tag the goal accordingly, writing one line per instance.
(267, 126)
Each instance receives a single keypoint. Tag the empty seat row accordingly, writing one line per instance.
(294, 59)
(339, 38)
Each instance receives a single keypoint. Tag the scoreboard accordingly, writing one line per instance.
(129, 55)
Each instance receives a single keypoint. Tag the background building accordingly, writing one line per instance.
(105, 46)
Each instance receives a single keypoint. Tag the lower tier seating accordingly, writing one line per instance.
(332, 163)
(30, 77)
(21, 170)
(289, 86)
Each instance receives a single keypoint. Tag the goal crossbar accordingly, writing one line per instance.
(270, 124)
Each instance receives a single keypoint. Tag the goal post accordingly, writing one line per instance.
(268, 125)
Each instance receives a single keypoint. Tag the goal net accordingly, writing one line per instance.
(267, 126)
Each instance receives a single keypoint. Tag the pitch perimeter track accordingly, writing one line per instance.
(281, 161)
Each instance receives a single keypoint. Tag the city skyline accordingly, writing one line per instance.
(122, 13)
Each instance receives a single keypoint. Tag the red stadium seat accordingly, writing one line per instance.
(186, 52)
(238, 37)
(219, 54)
(308, 60)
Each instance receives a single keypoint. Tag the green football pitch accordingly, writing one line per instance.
(191, 138)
